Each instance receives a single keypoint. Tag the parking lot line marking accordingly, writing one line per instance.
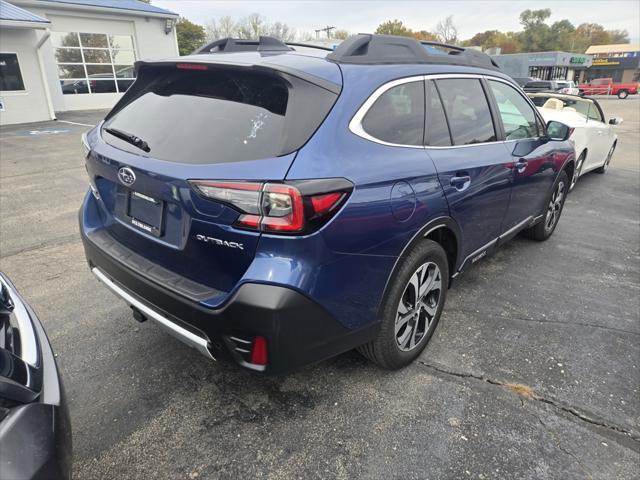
(75, 123)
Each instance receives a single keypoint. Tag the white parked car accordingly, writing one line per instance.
(593, 136)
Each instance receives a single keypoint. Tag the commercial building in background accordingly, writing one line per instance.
(544, 65)
(619, 61)
(60, 55)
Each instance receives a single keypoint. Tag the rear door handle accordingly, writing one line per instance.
(461, 182)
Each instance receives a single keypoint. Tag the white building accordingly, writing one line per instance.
(60, 55)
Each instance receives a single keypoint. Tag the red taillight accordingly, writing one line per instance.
(277, 207)
(258, 351)
(324, 203)
(191, 66)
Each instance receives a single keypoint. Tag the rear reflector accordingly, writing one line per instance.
(278, 207)
(258, 351)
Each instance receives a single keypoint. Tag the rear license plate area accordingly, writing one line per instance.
(145, 212)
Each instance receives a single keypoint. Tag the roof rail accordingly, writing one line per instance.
(367, 49)
(228, 45)
(309, 45)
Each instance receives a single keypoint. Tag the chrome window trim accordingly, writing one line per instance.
(355, 125)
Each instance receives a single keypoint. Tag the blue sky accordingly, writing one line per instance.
(471, 16)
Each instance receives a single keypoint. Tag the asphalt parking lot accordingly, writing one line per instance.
(533, 371)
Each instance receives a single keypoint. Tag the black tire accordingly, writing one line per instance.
(544, 229)
(576, 173)
(605, 166)
(622, 94)
(385, 350)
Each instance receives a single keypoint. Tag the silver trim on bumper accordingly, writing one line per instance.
(199, 343)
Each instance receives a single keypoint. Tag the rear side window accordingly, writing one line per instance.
(217, 116)
(467, 111)
(518, 117)
(397, 116)
(437, 129)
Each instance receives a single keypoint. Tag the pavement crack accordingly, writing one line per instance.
(581, 324)
(559, 446)
(67, 239)
(558, 322)
(528, 392)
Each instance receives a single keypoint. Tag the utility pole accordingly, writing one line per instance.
(325, 29)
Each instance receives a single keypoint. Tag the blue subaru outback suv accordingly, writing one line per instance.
(282, 206)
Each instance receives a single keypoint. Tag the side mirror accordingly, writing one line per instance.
(615, 120)
(558, 131)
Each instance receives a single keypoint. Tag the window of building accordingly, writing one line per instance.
(397, 116)
(467, 111)
(10, 75)
(94, 62)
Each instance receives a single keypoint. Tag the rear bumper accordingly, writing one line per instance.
(298, 330)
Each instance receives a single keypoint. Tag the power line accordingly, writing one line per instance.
(325, 29)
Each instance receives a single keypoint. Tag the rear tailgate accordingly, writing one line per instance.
(181, 122)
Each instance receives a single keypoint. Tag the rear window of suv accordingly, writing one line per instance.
(217, 115)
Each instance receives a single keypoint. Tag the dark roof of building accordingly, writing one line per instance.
(132, 5)
(17, 14)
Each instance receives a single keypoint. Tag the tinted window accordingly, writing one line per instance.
(397, 116)
(538, 85)
(437, 129)
(10, 75)
(467, 110)
(518, 117)
(207, 117)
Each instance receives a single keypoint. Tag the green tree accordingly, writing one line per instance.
(536, 35)
(190, 36)
(394, 27)
(481, 39)
(587, 34)
(506, 42)
(341, 34)
(562, 35)
(618, 36)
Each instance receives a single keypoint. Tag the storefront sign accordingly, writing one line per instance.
(604, 61)
(577, 60)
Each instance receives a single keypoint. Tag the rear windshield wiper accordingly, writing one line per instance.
(129, 138)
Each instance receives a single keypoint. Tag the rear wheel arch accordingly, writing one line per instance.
(442, 230)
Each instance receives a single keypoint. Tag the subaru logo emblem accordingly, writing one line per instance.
(126, 176)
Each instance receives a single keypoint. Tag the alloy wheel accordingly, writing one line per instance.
(555, 206)
(574, 180)
(609, 155)
(418, 306)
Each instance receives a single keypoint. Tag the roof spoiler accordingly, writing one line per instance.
(368, 49)
(228, 45)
